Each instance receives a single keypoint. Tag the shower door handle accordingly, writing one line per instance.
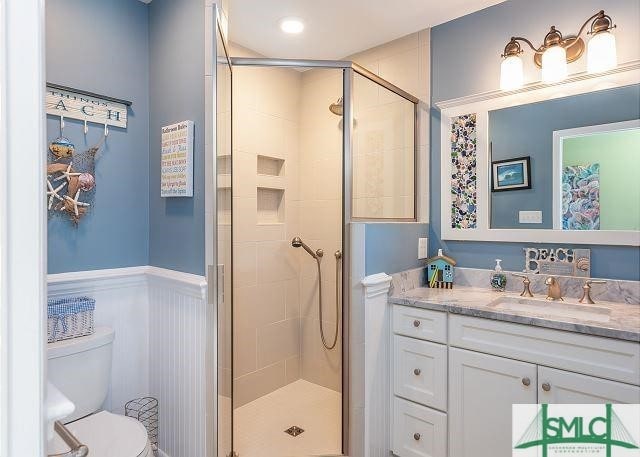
(215, 283)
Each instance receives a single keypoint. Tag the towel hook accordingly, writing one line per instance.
(86, 127)
(106, 130)
(61, 125)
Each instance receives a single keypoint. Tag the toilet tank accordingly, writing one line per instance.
(81, 369)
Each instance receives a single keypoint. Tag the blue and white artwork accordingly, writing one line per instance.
(581, 197)
(512, 174)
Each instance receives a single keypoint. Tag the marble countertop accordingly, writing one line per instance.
(607, 319)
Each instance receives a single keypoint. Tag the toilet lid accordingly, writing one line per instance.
(106, 435)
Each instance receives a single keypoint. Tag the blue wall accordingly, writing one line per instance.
(392, 247)
(176, 87)
(465, 60)
(102, 46)
(527, 130)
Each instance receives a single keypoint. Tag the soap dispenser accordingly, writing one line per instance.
(498, 278)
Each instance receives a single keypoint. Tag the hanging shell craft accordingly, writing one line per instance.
(70, 202)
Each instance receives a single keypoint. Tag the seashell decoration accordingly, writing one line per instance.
(86, 181)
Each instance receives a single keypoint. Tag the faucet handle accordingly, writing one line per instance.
(586, 290)
(526, 292)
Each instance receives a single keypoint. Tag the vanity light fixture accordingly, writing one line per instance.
(557, 51)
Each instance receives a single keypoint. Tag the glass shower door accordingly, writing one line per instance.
(224, 251)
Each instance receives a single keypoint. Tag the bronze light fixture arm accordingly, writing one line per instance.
(574, 45)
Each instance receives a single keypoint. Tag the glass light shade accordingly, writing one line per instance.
(601, 52)
(511, 73)
(554, 64)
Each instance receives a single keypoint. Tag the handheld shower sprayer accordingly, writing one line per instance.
(297, 242)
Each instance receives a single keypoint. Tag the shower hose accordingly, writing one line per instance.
(338, 256)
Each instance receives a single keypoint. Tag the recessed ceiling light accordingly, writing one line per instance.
(291, 25)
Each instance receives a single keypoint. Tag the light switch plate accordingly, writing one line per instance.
(422, 248)
(530, 217)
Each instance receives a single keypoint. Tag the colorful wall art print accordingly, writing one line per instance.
(511, 174)
(581, 197)
(463, 172)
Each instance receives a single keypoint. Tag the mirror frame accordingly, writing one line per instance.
(481, 104)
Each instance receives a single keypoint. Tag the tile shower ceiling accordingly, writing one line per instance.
(337, 28)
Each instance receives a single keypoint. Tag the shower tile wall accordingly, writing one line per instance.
(266, 268)
(320, 221)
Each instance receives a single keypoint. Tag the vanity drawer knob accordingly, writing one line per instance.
(417, 371)
(416, 323)
(526, 381)
(546, 386)
(416, 436)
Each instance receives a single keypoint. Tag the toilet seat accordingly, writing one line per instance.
(107, 435)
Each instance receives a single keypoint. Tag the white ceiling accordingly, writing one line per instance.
(337, 28)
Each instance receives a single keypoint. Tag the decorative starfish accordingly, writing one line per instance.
(67, 173)
(76, 203)
(53, 193)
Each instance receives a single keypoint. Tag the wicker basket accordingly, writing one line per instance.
(69, 318)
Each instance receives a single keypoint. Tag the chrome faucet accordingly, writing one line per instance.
(553, 289)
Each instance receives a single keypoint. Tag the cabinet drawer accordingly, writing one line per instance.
(418, 431)
(592, 355)
(420, 371)
(420, 323)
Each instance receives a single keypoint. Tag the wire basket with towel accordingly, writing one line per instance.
(69, 317)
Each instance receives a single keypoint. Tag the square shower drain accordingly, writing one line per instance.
(294, 430)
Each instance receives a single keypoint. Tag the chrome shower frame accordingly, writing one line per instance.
(350, 70)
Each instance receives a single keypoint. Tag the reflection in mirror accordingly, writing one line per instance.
(599, 165)
(597, 177)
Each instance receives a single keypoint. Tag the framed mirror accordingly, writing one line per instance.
(545, 163)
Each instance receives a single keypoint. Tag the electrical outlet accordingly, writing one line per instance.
(530, 217)
(422, 248)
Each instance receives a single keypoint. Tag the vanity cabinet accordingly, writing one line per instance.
(455, 378)
(482, 389)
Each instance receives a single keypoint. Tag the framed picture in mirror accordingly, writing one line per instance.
(511, 174)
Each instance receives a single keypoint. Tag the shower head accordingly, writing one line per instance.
(297, 242)
(336, 108)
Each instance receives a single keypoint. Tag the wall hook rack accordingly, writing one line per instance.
(86, 106)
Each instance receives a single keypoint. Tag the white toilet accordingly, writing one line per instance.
(81, 369)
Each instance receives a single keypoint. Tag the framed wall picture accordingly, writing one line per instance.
(511, 174)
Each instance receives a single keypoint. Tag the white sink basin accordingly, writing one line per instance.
(557, 309)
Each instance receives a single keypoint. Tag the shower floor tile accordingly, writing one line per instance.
(260, 425)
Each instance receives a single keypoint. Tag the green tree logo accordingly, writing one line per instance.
(545, 430)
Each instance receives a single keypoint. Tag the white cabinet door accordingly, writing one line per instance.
(418, 431)
(482, 389)
(420, 371)
(559, 386)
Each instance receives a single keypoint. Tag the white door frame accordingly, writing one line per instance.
(22, 228)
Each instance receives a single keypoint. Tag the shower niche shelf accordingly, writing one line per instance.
(224, 205)
(270, 205)
(270, 166)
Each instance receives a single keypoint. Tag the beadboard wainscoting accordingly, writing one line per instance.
(159, 350)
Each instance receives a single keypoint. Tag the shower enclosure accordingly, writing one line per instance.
(303, 149)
